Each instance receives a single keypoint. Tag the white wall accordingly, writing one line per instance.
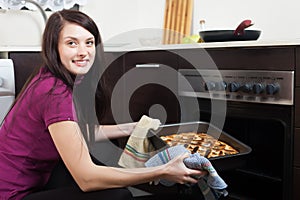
(118, 19)
(20, 28)
(278, 19)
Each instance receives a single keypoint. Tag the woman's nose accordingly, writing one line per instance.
(82, 50)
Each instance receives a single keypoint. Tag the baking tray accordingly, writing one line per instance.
(221, 163)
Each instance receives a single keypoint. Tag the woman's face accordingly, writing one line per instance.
(76, 47)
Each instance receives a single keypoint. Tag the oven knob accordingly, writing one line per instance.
(210, 85)
(221, 86)
(272, 88)
(258, 88)
(247, 87)
(234, 87)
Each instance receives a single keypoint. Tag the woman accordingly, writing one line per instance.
(51, 121)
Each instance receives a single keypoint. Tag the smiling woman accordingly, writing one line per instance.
(52, 121)
(45, 103)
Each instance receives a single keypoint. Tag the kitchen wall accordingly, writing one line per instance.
(20, 28)
(117, 17)
(278, 20)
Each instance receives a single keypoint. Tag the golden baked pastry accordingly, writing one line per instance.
(202, 143)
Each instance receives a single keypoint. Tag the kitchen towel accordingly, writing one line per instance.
(212, 185)
(138, 148)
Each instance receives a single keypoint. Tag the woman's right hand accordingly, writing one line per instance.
(176, 171)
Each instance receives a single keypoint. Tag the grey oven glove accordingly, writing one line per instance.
(212, 185)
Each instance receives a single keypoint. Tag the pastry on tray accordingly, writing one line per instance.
(201, 143)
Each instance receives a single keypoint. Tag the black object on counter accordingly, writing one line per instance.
(228, 35)
(239, 34)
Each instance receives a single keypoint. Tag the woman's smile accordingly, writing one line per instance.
(81, 63)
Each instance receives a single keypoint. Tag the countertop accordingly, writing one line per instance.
(123, 47)
(126, 47)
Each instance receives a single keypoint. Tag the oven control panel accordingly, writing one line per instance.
(273, 87)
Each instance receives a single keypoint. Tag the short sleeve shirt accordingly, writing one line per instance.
(27, 152)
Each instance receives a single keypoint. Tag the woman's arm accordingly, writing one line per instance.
(103, 132)
(74, 152)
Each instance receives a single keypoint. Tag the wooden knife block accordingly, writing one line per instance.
(177, 20)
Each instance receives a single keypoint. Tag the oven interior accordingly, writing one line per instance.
(266, 129)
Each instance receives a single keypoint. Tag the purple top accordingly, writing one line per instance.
(27, 152)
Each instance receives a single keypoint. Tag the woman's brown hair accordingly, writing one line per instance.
(87, 95)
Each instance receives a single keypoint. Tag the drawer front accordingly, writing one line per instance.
(151, 85)
(167, 58)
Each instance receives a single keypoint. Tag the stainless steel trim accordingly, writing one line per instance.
(199, 78)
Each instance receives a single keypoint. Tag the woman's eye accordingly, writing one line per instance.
(71, 43)
(90, 43)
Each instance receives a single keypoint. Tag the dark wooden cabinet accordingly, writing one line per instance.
(24, 64)
(297, 148)
(297, 107)
(139, 83)
(114, 69)
(151, 85)
(297, 75)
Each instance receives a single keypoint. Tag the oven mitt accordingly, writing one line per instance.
(138, 148)
(165, 156)
(196, 161)
(212, 186)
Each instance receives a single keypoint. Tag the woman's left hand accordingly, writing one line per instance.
(114, 131)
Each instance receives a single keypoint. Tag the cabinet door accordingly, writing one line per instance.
(297, 107)
(297, 147)
(151, 85)
(296, 194)
(111, 76)
(24, 64)
(297, 77)
(296, 176)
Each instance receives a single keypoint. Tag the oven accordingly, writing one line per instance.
(255, 107)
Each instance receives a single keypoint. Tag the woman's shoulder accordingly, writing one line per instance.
(46, 82)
